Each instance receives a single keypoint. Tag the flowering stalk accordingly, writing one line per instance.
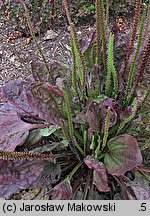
(134, 31)
(36, 42)
(25, 155)
(106, 128)
(80, 61)
(101, 32)
(111, 69)
(129, 118)
(132, 70)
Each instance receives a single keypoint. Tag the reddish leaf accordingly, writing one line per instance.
(13, 131)
(62, 191)
(141, 193)
(114, 109)
(15, 92)
(15, 175)
(99, 174)
(38, 70)
(92, 114)
(120, 79)
(42, 98)
(58, 70)
(80, 118)
(125, 113)
(123, 155)
(97, 111)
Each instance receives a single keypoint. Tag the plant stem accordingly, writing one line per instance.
(80, 149)
(86, 188)
(129, 118)
(69, 177)
(142, 170)
(36, 42)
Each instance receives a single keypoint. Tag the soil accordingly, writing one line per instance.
(11, 68)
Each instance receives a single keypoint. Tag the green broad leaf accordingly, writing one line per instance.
(123, 155)
(48, 131)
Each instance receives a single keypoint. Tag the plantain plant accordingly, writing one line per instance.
(81, 123)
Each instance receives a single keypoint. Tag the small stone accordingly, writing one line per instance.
(50, 34)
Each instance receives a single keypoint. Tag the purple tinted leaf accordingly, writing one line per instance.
(141, 193)
(13, 131)
(92, 114)
(15, 175)
(120, 79)
(15, 92)
(58, 70)
(123, 155)
(140, 187)
(86, 43)
(96, 113)
(126, 112)
(99, 174)
(38, 71)
(43, 98)
(80, 118)
(62, 191)
(114, 109)
(50, 175)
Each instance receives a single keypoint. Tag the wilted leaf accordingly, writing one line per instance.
(99, 173)
(16, 175)
(62, 191)
(123, 155)
(43, 98)
(13, 131)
